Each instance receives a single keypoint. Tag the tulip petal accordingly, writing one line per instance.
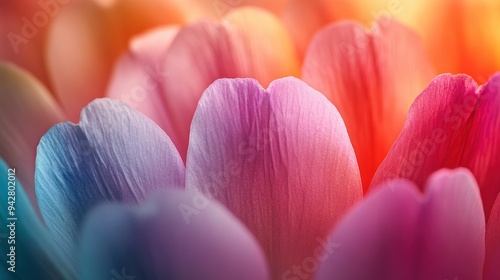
(81, 66)
(23, 32)
(492, 258)
(242, 46)
(160, 241)
(451, 124)
(138, 76)
(35, 254)
(372, 78)
(27, 111)
(279, 159)
(114, 154)
(437, 236)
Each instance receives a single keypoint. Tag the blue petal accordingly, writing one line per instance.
(114, 154)
(174, 236)
(36, 256)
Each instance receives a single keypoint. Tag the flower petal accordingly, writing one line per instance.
(27, 111)
(279, 159)
(451, 124)
(372, 78)
(115, 153)
(35, 254)
(138, 76)
(492, 258)
(162, 241)
(438, 236)
(23, 32)
(242, 46)
(80, 66)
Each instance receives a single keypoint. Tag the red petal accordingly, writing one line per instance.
(372, 78)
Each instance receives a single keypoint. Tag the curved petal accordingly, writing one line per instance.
(280, 160)
(492, 258)
(244, 45)
(452, 123)
(27, 111)
(138, 76)
(34, 254)
(87, 38)
(372, 78)
(23, 31)
(114, 154)
(437, 236)
(160, 241)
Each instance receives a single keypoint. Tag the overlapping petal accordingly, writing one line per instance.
(452, 123)
(114, 154)
(160, 240)
(372, 78)
(399, 234)
(24, 25)
(87, 38)
(280, 159)
(138, 77)
(243, 45)
(27, 111)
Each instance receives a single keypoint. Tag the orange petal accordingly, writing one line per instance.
(23, 31)
(27, 111)
(217, 9)
(372, 78)
(88, 38)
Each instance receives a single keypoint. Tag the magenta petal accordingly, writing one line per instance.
(492, 258)
(398, 234)
(164, 239)
(280, 159)
(453, 123)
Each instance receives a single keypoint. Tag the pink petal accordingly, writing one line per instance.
(451, 124)
(492, 258)
(398, 234)
(138, 76)
(244, 45)
(372, 77)
(27, 111)
(280, 159)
